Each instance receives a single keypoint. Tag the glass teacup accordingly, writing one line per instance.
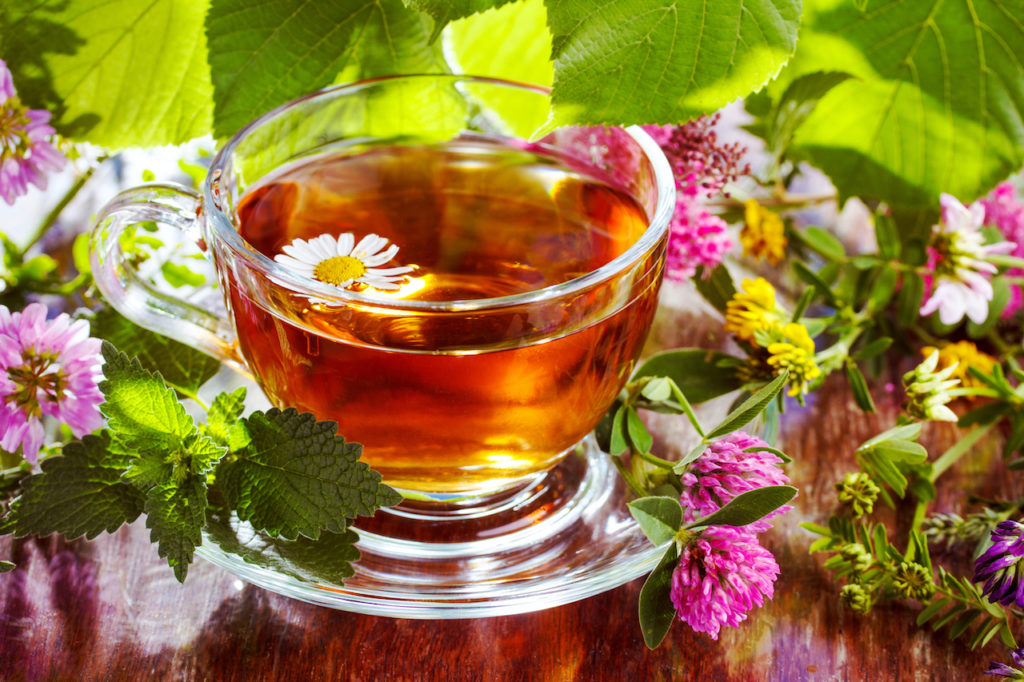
(520, 281)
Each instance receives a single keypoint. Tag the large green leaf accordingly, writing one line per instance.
(444, 11)
(265, 54)
(663, 61)
(937, 102)
(117, 73)
(511, 42)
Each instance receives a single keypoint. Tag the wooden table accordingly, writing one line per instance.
(111, 610)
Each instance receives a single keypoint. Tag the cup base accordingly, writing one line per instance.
(563, 536)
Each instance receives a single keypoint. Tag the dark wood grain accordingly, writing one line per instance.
(111, 610)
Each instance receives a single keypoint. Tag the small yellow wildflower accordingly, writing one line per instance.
(794, 351)
(964, 355)
(763, 235)
(751, 309)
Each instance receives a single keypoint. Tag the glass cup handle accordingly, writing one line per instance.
(135, 297)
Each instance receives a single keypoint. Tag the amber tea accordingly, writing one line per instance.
(452, 398)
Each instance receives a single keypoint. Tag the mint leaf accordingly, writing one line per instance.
(197, 454)
(700, 374)
(659, 517)
(79, 492)
(223, 423)
(143, 414)
(325, 560)
(656, 611)
(748, 507)
(937, 104)
(117, 73)
(298, 477)
(182, 367)
(265, 54)
(175, 515)
(663, 61)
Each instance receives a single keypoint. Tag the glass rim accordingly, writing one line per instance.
(224, 229)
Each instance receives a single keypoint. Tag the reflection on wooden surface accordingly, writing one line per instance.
(110, 609)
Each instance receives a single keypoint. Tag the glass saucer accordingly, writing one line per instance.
(565, 536)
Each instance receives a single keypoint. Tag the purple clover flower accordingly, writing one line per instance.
(723, 573)
(46, 368)
(1013, 672)
(26, 155)
(1001, 567)
(724, 470)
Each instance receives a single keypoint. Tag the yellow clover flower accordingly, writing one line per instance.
(794, 351)
(751, 309)
(763, 235)
(963, 355)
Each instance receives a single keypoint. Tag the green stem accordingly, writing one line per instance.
(51, 217)
(959, 449)
(962, 391)
(627, 476)
(655, 460)
(837, 353)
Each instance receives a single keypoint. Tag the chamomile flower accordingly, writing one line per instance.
(341, 262)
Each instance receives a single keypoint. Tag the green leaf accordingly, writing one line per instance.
(657, 389)
(298, 477)
(7, 566)
(659, 517)
(265, 54)
(883, 289)
(823, 242)
(618, 442)
(638, 433)
(326, 560)
(183, 368)
(748, 507)
(937, 105)
(717, 287)
(859, 387)
(143, 414)
(116, 73)
(663, 61)
(873, 349)
(796, 104)
(1001, 294)
(181, 275)
(902, 451)
(175, 515)
(888, 237)
(79, 492)
(932, 610)
(223, 423)
(700, 374)
(656, 610)
(444, 11)
(750, 408)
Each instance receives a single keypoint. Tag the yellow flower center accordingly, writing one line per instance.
(751, 309)
(339, 270)
(763, 235)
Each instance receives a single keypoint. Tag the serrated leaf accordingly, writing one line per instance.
(298, 477)
(750, 408)
(263, 55)
(79, 492)
(182, 367)
(325, 560)
(716, 287)
(748, 507)
(638, 434)
(223, 420)
(661, 61)
(656, 610)
(143, 414)
(444, 11)
(116, 73)
(175, 515)
(659, 517)
(938, 103)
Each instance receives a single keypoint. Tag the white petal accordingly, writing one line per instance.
(390, 272)
(976, 306)
(976, 214)
(368, 245)
(952, 304)
(382, 257)
(380, 283)
(977, 283)
(301, 250)
(345, 242)
(325, 246)
(298, 266)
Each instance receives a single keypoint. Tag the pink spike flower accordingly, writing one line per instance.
(725, 470)
(722, 574)
(26, 154)
(47, 368)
